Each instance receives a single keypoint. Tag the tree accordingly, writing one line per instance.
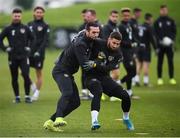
(25, 4)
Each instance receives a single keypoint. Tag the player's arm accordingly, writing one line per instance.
(152, 37)
(110, 66)
(31, 40)
(80, 52)
(174, 30)
(2, 36)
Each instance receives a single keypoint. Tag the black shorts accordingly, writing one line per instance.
(144, 55)
(36, 63)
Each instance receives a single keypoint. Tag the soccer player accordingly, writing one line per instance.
(83, 14)
(146, 38)
(106, 56)
(165, 29)
(41, 31)
(67, 64)
(111, 26)
(20, 40)
(90, 16)
(127, 47)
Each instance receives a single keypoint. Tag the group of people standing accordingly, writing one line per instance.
(98, 50)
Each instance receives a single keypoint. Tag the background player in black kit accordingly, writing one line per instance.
(41, 31)
(127, 47)
(67, 64)
(20, 39)
(146, 39)
(165, 29)
(106, 56)
(108, 28)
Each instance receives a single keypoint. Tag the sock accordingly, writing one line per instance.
(146, 79)
(125, 115)
(94, 115)
(136, 78)
(129, 92)
(33, 87)
(36, 93)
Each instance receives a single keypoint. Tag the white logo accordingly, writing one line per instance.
(110, 58)
(160, 24)
(39, 28)
(66, 75)
(22, 30)
(168, 23)
(13, 32)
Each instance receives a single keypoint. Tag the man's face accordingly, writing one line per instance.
(16, 17)
(93, 32)
(114, 17)
(137, 14)
(114, 43)
(38, 14)
(164, 11)
(126, 16)
(89, 17)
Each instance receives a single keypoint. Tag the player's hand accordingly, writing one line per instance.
(36, 54)
(134, 44)
(8, 49)
(89, 65)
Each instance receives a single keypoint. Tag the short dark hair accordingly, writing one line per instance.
(136, 10)
(39, 8)
(92, 11)
(125, 10)
(91, 24)
(113, 11)
(116, 35)
(17, 10)
(163, 6)
(147, 16)
(84, 11)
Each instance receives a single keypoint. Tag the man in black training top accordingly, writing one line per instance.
(41, 31)
(146, 39)
(106, 56)
(20, 39)
(127, 47)
(108, 28)
(67, 64)
(165, 29)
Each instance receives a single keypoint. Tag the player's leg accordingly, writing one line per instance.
(38, 84)
(13, 66)
(24, 65)
(159, 66)
(138, 67)
(170, 57)
(112, 89)
(115, 76)
(146, 73)
(94, 86)
(38, 65)
(85, 95)
(131, 72)
(65, 84)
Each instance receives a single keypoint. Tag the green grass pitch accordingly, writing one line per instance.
(157, 113)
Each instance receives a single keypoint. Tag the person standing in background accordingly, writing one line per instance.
(20, 39)
(165, 29)
(41, 31)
